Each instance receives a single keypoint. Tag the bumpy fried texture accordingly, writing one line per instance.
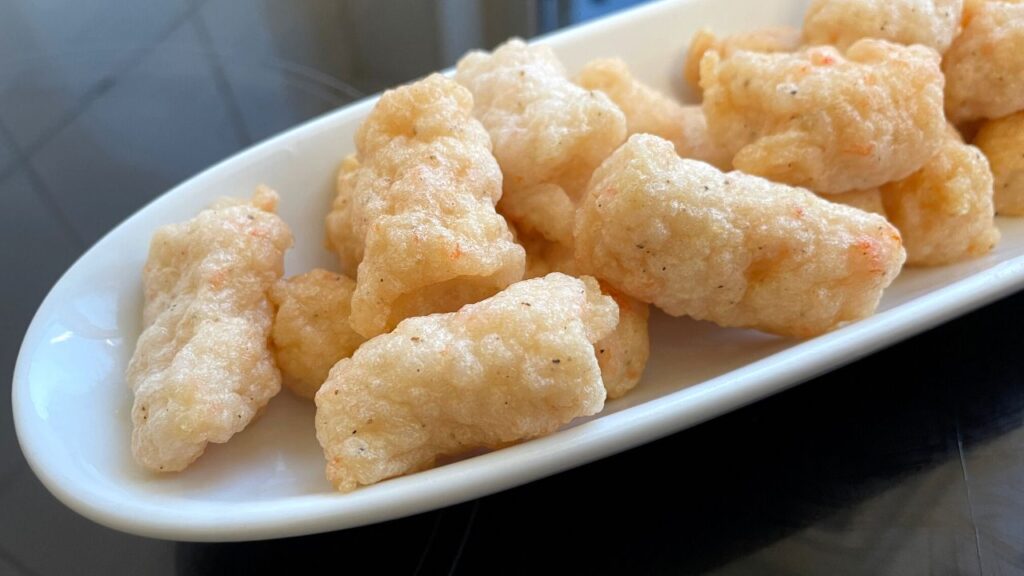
(416, 209)
(932, 23)
(515, 366)
(345, 233)
(544, 257)
(622, 355)
(985, 66)
(541, 211)
(766, 40)
(697, 142)
(546, 130)
(544, 216)
(731, 248)
(650, 112)
(311, 329)
(944, 210)
(202, 367)
(823, 121)
(869, 200)
(1002, 141)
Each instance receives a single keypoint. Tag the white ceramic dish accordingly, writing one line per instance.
(71, 405)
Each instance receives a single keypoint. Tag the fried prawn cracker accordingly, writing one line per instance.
(767, 40)
(542, 212)
(985, 66)
(202, 367)
(544, 257)
(944, 210)
(622, 355)
(697, 142)
(932, 23)
(825, 121)
(648, 111)
(548, 133)
(345, 233)
(1002, 141)
(545, 129)
(515, 366)
(869, 200)
(415, 208)
(731, 248)
(311, 328)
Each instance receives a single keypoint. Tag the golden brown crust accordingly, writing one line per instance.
(932, 23)
(825, 121)
(311, 328)
(650, 112)
(731, 248)
(984, 68)
(944, 210)
(416, 209)
(1002, 142)
(546, 130)
(515, 366)
(202, 367)
(767, 40)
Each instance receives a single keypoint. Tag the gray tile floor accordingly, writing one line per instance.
(40, 518)
(174, 91)
(62, 55)
(7, 157)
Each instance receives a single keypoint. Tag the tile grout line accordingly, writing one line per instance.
(39, 187)
(24, 155)
(227, 93)
(465, 537)
(430, 542)
(107, 82)
(14, 561)
(967, 486)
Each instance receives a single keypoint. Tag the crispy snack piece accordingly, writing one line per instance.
(345, 234)
(544, 257)
(932, 23)
(1002, 141)
(515, 366)
(824, 121)
(731, 248)
(543, 211)
(697, 142)
(766, 40)
(650, 112)
(869, 200)
(311, 329)
(944, 210)
(544, 216)
(549, 134)
(985, 66)
(546, 130)
(416, 209)
(202, 367)
(622, 355)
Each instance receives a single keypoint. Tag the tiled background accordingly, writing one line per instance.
(908, 462)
